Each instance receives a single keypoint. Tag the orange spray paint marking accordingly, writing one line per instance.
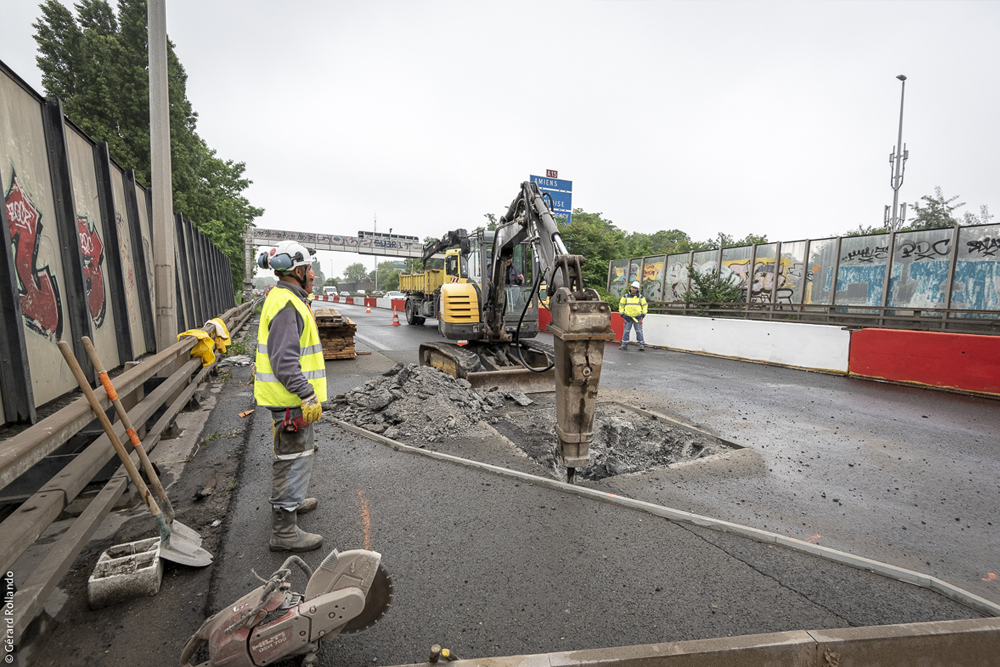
(990, 576)
(108, 387)
(814, 538)
(366, 520)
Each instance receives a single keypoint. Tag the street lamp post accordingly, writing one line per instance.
(897, 160)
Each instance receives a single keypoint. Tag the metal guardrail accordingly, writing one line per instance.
(22, 528)
(953, 320)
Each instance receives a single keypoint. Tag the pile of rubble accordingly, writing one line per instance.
(421, 404)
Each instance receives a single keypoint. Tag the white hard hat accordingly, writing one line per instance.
(636, 284)
(285, 256)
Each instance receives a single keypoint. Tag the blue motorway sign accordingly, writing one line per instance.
(561, 193)
(562, 202)
(552, 183)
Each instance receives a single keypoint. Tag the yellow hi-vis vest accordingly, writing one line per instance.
(266, 388)
(633, 306)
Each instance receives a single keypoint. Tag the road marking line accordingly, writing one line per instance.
(372, 342)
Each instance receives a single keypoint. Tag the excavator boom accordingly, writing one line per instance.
(581, 323)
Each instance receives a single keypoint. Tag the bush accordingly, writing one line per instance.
(711, 288)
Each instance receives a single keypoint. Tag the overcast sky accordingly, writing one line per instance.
(772, 118)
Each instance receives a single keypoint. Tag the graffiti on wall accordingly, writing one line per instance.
(93, 276)
(763, 281)
(676, 282)
(866, 255)
(987, 247)
(41, 306)
(129, 274)
(923, 249)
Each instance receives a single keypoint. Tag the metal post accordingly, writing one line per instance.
(836, 270)
(899, 156)
(950, 286)
(885, 280)
(139, 260)
(116, 273)
(805, 276)
(774, 279)
(162, 221)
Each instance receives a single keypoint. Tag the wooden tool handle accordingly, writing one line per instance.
(147, 465)
(95, 405)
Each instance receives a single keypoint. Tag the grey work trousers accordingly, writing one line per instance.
(293, 461)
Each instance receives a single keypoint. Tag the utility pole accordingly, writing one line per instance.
(163, 210)
(897, 162)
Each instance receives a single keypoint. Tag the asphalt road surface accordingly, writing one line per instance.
(486, 565)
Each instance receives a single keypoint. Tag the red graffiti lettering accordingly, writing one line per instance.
(93, 255)
(41, 307)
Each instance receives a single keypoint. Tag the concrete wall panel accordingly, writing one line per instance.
(128, 262)
(807, 346)
(28, 196)
(93, 245)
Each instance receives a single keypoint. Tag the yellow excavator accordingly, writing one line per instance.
(493, 323)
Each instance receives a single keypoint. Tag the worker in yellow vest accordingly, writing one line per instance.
(291, 383)
(633, 308)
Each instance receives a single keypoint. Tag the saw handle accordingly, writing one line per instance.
(147, 465)
(95, 405)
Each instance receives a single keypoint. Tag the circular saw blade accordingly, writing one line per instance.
(377, 602)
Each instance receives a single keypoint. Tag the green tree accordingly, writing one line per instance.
(936, 211)
(983, 218)
(97, 64)
(330, 282)
(320, 279)
(598, 240)
(355, 273)
(711, 288)
(388, 276)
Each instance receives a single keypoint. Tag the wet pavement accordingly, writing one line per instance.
(487, 565)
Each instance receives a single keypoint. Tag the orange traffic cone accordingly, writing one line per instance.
(368, 306)
(395, 319)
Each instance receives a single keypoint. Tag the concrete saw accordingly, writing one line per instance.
(349, 592)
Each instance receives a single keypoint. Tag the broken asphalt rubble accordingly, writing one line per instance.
(420, 403)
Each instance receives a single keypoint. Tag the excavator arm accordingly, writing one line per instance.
(581, 321)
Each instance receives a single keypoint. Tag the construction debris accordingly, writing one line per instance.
(336, 334)
(419, 403)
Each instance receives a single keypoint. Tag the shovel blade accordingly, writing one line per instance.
(189, 534)
(180, 550)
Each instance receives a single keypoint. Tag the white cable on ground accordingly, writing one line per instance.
(884, 569)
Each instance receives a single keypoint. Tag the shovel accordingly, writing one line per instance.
(176, 527)
(172, 546)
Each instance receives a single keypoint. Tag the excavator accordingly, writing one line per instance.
(493, 323)
(351, 591)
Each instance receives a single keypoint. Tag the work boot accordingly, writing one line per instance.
(624, 348)
(641, 349)
(287, 536)
(308, 505)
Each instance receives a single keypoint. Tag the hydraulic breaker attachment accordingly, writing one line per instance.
(580, 327)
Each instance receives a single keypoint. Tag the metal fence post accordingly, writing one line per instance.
(68, 232)
(106, 204)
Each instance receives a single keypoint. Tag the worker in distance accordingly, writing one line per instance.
(633, 308)
(290, 382)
